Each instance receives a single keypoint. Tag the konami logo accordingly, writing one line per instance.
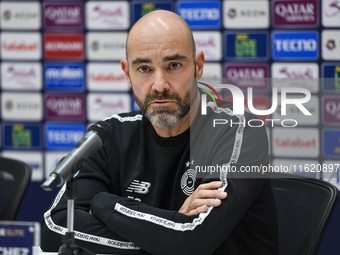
(20, 46)
(64, 46)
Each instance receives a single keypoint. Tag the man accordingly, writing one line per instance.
(139, 194)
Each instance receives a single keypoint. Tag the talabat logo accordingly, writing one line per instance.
(200, 14)
(331, 44)
(303, 75)
(330, 13)
(246, 14)
(295, 45)
(106, 77)
(20, 15)
(21, 136)
(64, 46)
(331, 75)
(23, 46)
(301, 13)
(64, 76)
(65, 106)
(107, 15)
(139, 9)
(210, 43)
(21, 76)
(247, 75)
(331, 110)
(239, 102)
(296, 143)
(63, 15)
(246, 46)
(105, 46)
(63, 136)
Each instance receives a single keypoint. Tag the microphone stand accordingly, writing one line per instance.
(69, 247)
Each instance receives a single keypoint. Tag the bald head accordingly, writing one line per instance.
(160, 23)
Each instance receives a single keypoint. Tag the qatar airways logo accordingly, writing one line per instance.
(239, 108)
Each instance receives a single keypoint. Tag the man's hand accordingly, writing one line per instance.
(205, 195)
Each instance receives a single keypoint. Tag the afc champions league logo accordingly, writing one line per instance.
(188, 179)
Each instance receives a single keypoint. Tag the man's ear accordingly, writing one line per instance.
(199, 59)
(125, 67)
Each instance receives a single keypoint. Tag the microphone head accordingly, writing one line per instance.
(103, 129)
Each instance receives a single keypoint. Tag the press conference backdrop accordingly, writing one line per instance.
(60, 72)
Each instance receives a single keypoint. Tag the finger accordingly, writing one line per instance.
(211, 185)
(210, 194)
(201, 202)
(198, 210)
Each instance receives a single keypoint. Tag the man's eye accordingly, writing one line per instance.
(175, 65)
(143, 69)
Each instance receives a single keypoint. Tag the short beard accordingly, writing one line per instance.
(164, 116)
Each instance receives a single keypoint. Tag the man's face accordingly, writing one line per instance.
(160, 71)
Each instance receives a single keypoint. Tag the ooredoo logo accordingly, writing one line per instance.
(64, 46)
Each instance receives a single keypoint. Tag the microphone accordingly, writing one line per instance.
(96, 136)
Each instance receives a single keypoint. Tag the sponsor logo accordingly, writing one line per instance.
(64, 136)
(101, 106)
(200, 14)
(107, 15)
(106, 46)
(247, 75)
(64, 76)
(140, 9)
(331, 44)
(64, 46)
(106, 77)
(331, 110)
(210, 43)
(293, 112)
(20, 16)
(331, 143)
(330, 13)
(65, 106)
(188, 179)
(333, 173)
(21, 76)
(33, 159)
(21, 106)
(302, 75)
(21, 136)
(140, 187)
(63, 15)
(246, 14)
(295, 45)
(298, 142)
(246, 46)
(331, 76)
(25, 46)
(297, 13)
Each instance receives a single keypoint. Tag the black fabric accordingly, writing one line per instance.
(139, 174)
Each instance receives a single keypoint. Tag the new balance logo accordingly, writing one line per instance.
(139, 187)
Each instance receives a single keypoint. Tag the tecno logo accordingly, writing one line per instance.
(296, 45)
(200, 14)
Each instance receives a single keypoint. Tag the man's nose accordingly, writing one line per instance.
(160, 81)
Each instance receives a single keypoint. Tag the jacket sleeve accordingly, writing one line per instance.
(90, 233)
